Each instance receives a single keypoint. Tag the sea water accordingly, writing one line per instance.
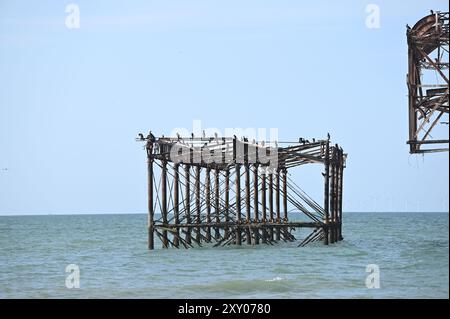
(410, 250)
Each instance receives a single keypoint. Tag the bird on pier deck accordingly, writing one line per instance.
(151, 137)
(178, 136)
(328, 136)
(301, 140)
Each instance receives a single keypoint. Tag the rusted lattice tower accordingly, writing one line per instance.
(232, 191)
(428, 62)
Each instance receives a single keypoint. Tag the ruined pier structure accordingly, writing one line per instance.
(428, 85)
(231, 191)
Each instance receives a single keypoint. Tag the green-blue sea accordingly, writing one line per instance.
(410, 249)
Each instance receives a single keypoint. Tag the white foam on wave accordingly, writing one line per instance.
(274, 279)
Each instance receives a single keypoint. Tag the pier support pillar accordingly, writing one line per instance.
(176, 204)
(277, 204)
(164, 202)
(208, 204)
(264, 207)
(285, 200)
(333, 197)
(256, 203)
(248, 219)
(197, 204)
(187, 200)
(341, 190)
(271, 211)
(217, 203)
(326, 205)
(150, 220)
(227, 202)
(238, 204)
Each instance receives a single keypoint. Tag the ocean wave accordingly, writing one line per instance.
(274, 279)
(233, 287)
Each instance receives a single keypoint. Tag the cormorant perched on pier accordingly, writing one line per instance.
(328, 136)
(151, 137)
(301, 140)
(150, 140)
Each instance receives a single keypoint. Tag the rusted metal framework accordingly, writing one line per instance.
(427, 79)
(231, 191)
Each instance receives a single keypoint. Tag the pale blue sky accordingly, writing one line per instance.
(72, 100)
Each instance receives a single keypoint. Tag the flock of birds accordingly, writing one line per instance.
(150, 137)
